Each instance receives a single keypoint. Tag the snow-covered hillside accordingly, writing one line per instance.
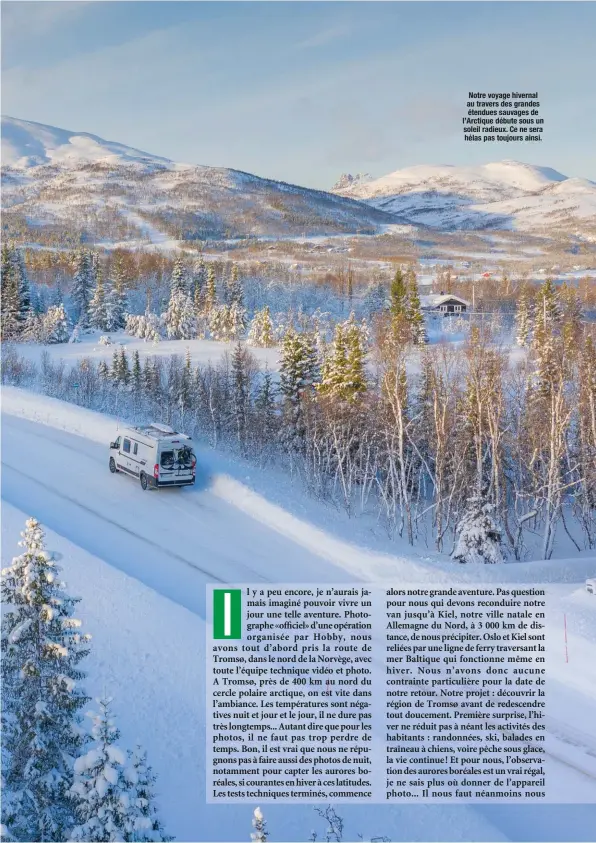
(27, 144)
(504, 194)
(140, 562)
(114, 192)
(110, 193)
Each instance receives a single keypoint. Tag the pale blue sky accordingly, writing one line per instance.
(303, 91)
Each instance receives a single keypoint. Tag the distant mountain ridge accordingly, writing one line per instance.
(54, 176)
(107, 191)
(347, 180)
(27, 144)
(502, 194)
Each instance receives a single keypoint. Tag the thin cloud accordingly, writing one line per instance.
(39, 18)
(326, 36)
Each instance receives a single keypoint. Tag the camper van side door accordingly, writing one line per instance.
(126, 450)
(136, 458)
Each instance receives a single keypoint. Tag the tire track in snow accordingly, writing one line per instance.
(100, 461)
(127, 530)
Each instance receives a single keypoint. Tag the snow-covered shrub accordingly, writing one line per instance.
(179, 319)
(260, 833)
(478, 537)
(146, 327)
(55, 328)
(455, 325)
(75, 335)
(104, 340)
(113, 791)
(261, 329)
(33, 328)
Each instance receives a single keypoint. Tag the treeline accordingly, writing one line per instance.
(454, 446)
(95, 301)
(60, 781)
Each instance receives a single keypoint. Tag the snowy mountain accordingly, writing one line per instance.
(104, 191)
(505, 194)
(26, 144)
(347, 180)
(109, 191)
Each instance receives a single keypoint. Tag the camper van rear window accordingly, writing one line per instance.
(167, 459)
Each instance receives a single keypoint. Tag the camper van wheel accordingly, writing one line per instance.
(113, 468)
(144, 481)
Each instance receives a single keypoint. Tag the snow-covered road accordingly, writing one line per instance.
(174, 541)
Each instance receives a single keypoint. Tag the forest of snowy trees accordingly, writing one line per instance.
(452, 445)
(460, 446)
(60, 781)
(482, 449)
(188, 300)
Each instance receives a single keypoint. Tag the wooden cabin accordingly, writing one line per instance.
(446, 304)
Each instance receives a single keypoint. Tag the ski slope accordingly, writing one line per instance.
(140, 562)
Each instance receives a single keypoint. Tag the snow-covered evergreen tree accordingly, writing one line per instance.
(210, 300)
(116, 298)
(236, 321)
(333, 369)
(414, 314)
(98, 309)
(478, 537)
(219, 321)
(234, 292)
(75, 335)
(572, 317)
(42, 645)
(55, 328)
(83, 283)
(136, 373)
(197, 301)
(523, 321)
(15, 292)
(115, 369)
(265, 405)
(103, 371)
(299, 365)
(179, 319)
(355, 372)
(10, 297)
(33, 330)
(184, 382)
(260, 833)
(227, 323)
(308, 343)
(240, 394)
(547, 317)
(179, 279)
(199, 278)
(143, 816)
(261, 329)
(101, 790)
(147, 327)
(375, 299)
(342, 372)
(123, 367)
(398, 296)
(23, 285)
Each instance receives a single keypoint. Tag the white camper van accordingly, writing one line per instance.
(156, 454)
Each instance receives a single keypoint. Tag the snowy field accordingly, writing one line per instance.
(140, 562)
(201, 351)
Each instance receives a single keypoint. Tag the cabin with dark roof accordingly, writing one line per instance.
(445, 304)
